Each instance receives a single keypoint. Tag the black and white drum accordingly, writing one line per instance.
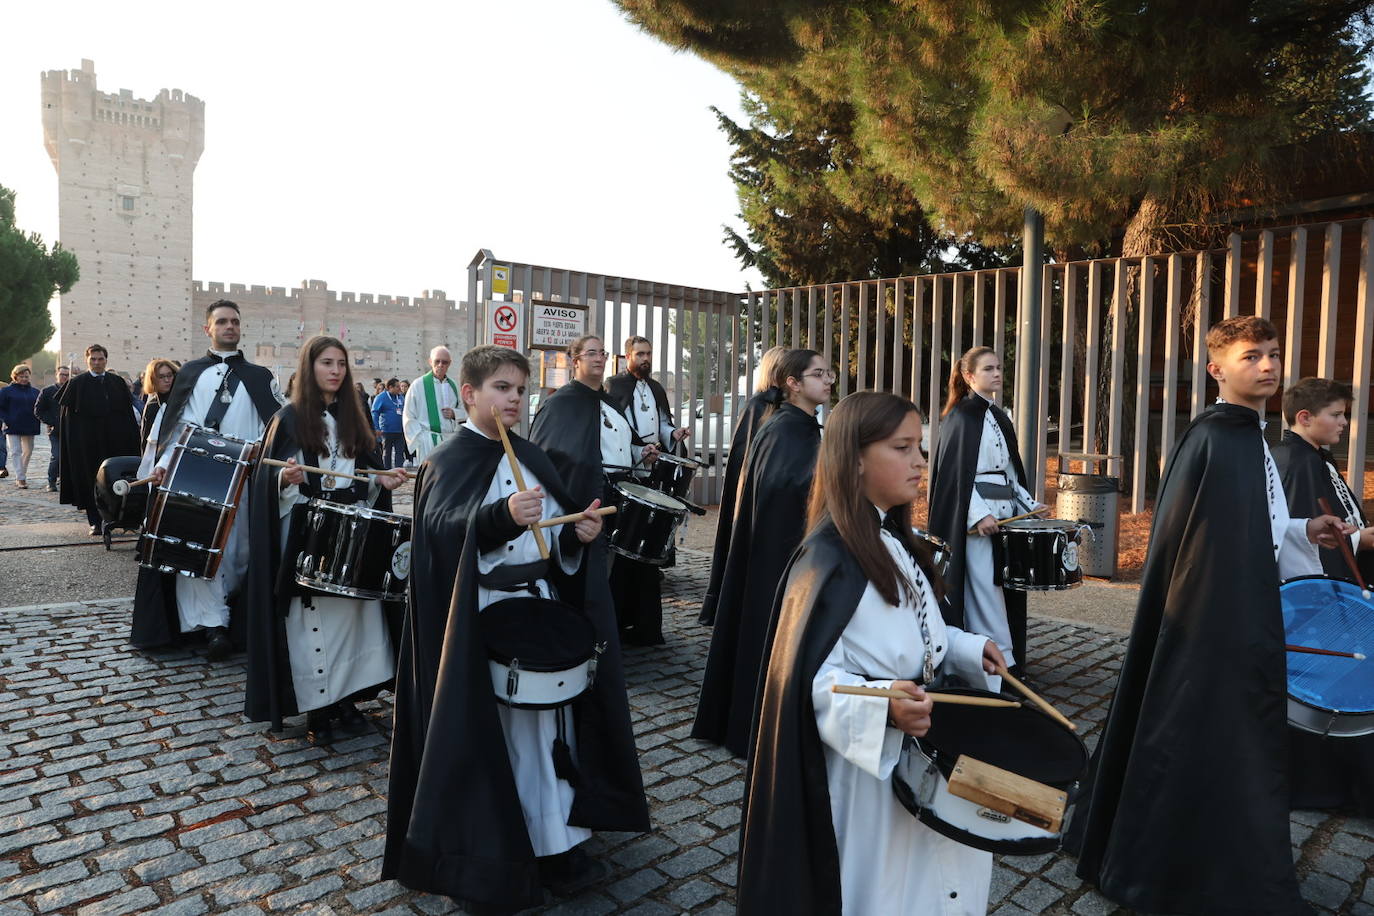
(1023, 740)
(939, 550)
(193, 511)
(645, 523)
(542, 653)
(1040, 554)
(672, 474)
(1329, 695)
(354, 551)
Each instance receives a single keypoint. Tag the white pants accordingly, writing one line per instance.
(22, 448)
(205, 602)
(545, 800)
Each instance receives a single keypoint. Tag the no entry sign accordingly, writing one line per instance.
(505, 324)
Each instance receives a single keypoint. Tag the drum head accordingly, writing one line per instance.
(690, 463)
(1326, 613)
(936, 543)
(1040, 524)
(1023, 740)
(651, 496)
(545, 635)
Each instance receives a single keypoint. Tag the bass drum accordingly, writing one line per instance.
(1328, 695)
(354, 551)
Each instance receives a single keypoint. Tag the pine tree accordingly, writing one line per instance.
(29, 275)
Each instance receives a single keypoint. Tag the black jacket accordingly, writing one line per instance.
(256, 380)
(1188, 812)
(769, 524)
(97, 422)
(620, 388)
(46, 408)
(952, 472)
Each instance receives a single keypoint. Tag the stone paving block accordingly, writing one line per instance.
(693, 861)
(238, 845)
(1341, 866)
(68, 895)
(136, 900)
(129, 856)
(141, 828)
(206, 874)
(329, 861)
(211, 832)
(37, 881)
(591, 904)
(65, 849)
(1037, 896)
(637, 885)
(242, 890)
(369, 898)
(1326, 891)
(293, 898)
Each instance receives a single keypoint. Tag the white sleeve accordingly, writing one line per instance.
(569, 565)
(290, 494)
(411, 423)
(965, 658)
(855, 727)
(164, 460)
(1297, 556)
(978, 509)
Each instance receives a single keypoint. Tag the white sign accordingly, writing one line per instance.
(505, 324)
(555, 325)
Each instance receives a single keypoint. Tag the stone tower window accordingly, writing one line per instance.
(126, 203)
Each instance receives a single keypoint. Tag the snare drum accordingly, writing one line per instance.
(939, 550)
(193, 511)
(1328, 695)
(673, 475)
(645, 524)
(542, 653)
(1023, 740)
(354, 551)
(1040, 554)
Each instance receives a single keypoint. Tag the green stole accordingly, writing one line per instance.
(432, 402)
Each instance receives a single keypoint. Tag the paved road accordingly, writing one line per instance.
(132, 783)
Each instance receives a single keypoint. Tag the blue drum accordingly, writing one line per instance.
(1328, 695)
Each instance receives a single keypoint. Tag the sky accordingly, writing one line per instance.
(377, 147)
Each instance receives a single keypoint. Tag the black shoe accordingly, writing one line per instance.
(350, 719)
(571, 872)
(319, 725)
(4, 472)
(50, 488)
(217, 644)
(95, 531)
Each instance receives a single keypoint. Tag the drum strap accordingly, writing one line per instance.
(516, 577)
(991, 490)
(223, 398)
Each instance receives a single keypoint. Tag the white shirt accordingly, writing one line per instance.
(994, 454)
(891, 863)
(241, 420)
(617, 449)
(644, 415)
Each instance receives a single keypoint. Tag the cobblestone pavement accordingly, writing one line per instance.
(132, 783)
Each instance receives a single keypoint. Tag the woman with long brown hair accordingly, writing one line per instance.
(769, 523)
(823, 831)
(976, 479)
(309, 652)
(157, 384)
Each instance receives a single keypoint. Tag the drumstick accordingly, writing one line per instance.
(576, 516)
(392, 471)
(955, 698)
(1346, 552)
(519, 478)
(1035, 698)
(278, 463)
(1313, 650)
(1014, 518)
(122, 487)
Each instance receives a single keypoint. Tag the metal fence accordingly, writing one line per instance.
(1098, 317)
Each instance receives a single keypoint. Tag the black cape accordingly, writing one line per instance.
(97, 422)
(620, 388)
(568, 429)
(1189, 809)
(453, 814)
(769, 525)
(269, 693)
(155, 623)
(788, 859)
(1324, 772)
(745, 428)
(952, 473)
(151, 407)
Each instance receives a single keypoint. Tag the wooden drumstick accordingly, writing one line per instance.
(386, 471)
(1313, 650)
(1014, 518)
(122, 487)
(278, 463)
(1035, 698)
(935, 696)
(575, 517)
(519, 479)
(1346, 551)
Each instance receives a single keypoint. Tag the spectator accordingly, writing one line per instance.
(386, 419)
(16, 412)
(157, 384)
(46, 410)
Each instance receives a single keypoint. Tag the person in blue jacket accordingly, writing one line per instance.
(386, 420)
(16, 413)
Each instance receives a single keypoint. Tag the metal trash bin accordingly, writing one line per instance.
(1093, 499)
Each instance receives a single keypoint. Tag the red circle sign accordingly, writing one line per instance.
(505, 317)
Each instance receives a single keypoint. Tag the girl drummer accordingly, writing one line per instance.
(309, 652)
(822, 830)
(976, 479)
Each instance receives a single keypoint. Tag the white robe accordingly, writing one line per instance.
(420, 438)
(646, 419)
(891, 863)
(336, 646)
(985, 607)
(545, 799)
(1295, 554)
(205, 602)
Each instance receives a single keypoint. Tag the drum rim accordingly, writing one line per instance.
(637, 557)
(677, 504)
(504, 668)
(680, 460)
(330, 589)
(1040, 524)
(355, 509)
(191, 429)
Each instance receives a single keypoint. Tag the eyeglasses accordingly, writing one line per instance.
(165, 377)
(593, 354)
(822, 374)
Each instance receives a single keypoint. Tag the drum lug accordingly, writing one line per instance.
(513, 678)
(224, 459)
(591, 667)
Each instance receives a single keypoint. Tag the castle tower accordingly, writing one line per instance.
(124, 169)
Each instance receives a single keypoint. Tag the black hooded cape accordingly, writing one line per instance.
(789, 859)
(568, 429)
(97, 422)
(745, 428)
(952, 472)
(770, 524)
(1324, 772)
(155, 621)
(453, 813)
(269, 694)
(1188, 812)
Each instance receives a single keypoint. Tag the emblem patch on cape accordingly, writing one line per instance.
(400, 562)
